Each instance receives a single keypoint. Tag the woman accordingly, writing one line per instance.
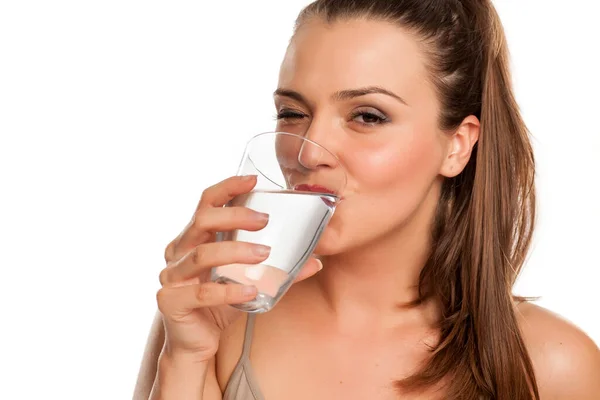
(414, 297)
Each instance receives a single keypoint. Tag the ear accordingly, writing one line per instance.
(460, 146)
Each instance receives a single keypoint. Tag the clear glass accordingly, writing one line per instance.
(298, 185)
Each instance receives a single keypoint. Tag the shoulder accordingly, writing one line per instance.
(566, 361)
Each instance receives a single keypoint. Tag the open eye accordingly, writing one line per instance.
(369, 117)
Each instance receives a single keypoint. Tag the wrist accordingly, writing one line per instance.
(184, 357)
(180, 376)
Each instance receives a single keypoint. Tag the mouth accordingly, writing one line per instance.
(314, 189)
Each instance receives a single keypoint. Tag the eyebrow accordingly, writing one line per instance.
(341, 95)
(350, 94)
(292, 94)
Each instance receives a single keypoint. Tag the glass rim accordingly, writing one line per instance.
(248, 148)
(275, 133)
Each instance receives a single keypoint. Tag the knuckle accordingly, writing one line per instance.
(207, 194)
(164, 276)
(161, 299)
(169, 251)
(203, 294)
(197, 255)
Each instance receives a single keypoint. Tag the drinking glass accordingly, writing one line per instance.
(299, 184)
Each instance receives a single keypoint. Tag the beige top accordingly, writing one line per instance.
(242, 385)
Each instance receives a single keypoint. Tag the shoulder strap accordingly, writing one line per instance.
(248, 336)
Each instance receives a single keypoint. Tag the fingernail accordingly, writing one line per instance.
(261, 251)
(248, 177)
(248, 290)
(261, 216)
(319, 265)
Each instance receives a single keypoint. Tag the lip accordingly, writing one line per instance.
(314, 188)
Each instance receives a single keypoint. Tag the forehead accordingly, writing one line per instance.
(354, 53)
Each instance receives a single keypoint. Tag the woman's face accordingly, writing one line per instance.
(360, 89)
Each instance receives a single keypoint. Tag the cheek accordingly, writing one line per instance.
(408, 163)
(386, 183)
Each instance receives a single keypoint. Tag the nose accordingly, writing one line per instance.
(313, 154)
(304, 160)
(293, 152)
(310, 155)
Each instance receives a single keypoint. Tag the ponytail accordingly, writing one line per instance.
(503, 215)
(481, 237)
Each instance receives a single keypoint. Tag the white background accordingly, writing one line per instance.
(115, 114)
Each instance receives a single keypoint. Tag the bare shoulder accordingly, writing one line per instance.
(565, 359)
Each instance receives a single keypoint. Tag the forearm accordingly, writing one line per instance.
(180, 378)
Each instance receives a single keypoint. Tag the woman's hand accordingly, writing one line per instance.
(195, 311)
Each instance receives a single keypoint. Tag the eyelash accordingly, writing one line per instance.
(381, 119)
(288, 114)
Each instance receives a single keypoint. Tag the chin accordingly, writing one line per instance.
(333, 242)
(330, 243)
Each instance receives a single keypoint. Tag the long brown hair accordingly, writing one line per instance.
(486, 214)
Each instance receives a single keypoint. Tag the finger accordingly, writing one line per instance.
(210, 255)
(312, 266)
(229, 218)
(173, 301)
(207, 221)
(215, 196)
(220, 194)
